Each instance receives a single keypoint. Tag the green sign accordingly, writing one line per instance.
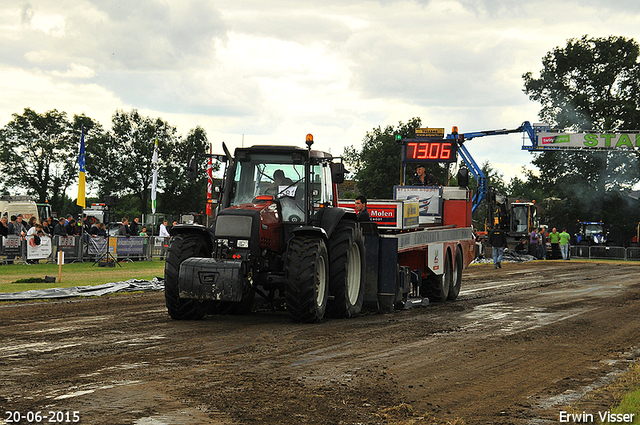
(588, 140)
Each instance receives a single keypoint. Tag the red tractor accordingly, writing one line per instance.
(278, 234)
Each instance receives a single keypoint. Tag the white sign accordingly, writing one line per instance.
(428, 197)
(289, 191)
(38, 252)
(588, 140)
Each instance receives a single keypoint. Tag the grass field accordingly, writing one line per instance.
(76, 274)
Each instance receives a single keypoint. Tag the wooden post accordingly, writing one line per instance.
(60, 261)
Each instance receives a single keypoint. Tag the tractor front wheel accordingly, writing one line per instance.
(306, 279)
(182, 247)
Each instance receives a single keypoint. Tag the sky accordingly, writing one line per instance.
(255, 72)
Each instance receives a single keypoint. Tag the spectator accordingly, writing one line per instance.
(102, 231)
(362, 214)
(534, 243)
(542, 247)
(47, 227)
(554, 239)
(564, 244)
(145, 241)
(87, 222)
(60, 229)
(134, 226)
(34, 234)
(164, 233)
(498, 242)
(422, 178)
(4, 230)
(71, 227)
(32, 222)
(124, 230)
(95, 227)
(19, 227)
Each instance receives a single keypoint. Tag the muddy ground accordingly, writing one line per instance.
(520, 345)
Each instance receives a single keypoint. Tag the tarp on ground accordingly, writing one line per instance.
(131, 285)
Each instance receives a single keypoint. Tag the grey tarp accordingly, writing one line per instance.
(131, 285)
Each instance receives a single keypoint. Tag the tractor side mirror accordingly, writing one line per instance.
(192, 170)
(337, 172)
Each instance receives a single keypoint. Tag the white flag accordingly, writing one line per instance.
(154, 183)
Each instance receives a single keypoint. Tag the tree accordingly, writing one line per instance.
(182, 194)
(38, 155)
(377, 166)
(120, 162)
(591, 84)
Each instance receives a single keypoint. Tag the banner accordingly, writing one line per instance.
(39, 252)
(154, 182)
(429, 198)
(609, 141)
(97, 246)
(128, 246)
(81, 178)
(209, 181)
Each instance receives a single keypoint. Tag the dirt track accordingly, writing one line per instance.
(518, 346)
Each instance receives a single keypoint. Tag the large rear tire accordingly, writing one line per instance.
(306, 279)
(456, 276)
(437, 287)
(182, 247)
(346, 265)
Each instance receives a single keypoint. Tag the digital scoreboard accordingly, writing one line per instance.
(425, 150)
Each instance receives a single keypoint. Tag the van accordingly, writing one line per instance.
(20, 204)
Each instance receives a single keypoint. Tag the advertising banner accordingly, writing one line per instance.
(588, 140)
(41, 251)
(429, 198)
(132, 245)
(97, 246)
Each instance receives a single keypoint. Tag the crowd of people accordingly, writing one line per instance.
(560, 244)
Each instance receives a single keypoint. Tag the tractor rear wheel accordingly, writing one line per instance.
(437, 287)
(456, 276)
(346, 270)
(182, 247)
(306, 279)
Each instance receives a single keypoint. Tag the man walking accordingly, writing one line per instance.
(498, 241)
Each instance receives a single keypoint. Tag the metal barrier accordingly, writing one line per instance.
(606, 252)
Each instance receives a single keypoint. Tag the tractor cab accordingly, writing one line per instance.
(299, 181)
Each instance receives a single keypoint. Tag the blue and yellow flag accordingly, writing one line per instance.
(81, 199)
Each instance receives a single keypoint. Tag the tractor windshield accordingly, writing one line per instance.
(520, 218)
(275, 175)
(594, 229)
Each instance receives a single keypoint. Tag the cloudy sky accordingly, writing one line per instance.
(255, 71)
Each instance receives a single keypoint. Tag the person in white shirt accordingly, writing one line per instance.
(164, 233)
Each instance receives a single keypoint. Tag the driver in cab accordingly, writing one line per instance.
(279, 180)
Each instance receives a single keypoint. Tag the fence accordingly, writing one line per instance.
(606, 252)
(17, 250)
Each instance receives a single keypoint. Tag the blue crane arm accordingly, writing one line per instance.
(481, 192)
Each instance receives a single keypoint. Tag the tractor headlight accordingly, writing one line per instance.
(242, 243)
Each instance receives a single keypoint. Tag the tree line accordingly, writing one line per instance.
(590, 85)
(39, 157)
